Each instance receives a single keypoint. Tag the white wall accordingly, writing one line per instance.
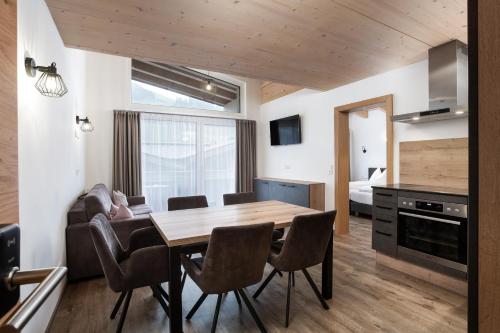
(369, 133)
(314, 158)
(51, 158)
(108, 89)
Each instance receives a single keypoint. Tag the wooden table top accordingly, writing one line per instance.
(191, 226)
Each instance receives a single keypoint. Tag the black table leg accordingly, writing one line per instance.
(175, 290)
(327, 271)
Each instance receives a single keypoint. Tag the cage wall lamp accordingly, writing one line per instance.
(86, 125)
(50, 83)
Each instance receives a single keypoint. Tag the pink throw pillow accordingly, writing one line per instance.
(113, 210)
(123, 213)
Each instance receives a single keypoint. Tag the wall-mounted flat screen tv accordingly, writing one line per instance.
(285, 131)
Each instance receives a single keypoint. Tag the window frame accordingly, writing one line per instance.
(190, 111)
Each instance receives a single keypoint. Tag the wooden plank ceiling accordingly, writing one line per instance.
(318, 43)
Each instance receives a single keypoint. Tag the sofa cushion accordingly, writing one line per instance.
(123, 213)
(140, 209)
(119, 198)
(98, 201)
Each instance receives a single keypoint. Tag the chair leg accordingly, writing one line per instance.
(183, 281)
(198, 303)
(184, 275)
(254, 314)
(163, 293)
(124, 311)
(118, 304)
(293, 279)
(265, 283)
(315, 289)
(159, 297)
(287, 314)
(237, 298)
(216, 314)
(280, 274)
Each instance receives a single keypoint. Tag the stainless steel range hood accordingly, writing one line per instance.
(448, 85)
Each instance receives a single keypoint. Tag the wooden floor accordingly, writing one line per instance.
(366, 298)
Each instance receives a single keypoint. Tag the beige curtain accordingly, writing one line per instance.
(127, 152)
(246, 155)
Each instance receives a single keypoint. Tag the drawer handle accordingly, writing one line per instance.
(283, 185)
(383, 233)
(383, 221)
(384, 194)
(382, 207)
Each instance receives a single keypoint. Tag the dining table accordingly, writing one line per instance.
(188, 231)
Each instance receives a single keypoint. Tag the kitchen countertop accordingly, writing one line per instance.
(425, 188)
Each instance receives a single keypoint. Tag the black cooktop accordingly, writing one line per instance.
(425, 188)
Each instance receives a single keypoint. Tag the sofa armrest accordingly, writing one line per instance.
(136, 200)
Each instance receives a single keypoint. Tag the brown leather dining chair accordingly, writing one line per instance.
(304, 246)
(131, 268)
(239, 198)
(189, 202)
(247, 197)
(235, 259)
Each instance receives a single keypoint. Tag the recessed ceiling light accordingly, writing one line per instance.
(415, 118)
(459, 112)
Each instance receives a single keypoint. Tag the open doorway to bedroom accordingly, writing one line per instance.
(355, 138)
(368, 158)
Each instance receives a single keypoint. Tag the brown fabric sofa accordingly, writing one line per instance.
(81, 256)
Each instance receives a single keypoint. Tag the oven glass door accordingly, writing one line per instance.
(434, 234)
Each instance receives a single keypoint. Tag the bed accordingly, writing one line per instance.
(360, 192)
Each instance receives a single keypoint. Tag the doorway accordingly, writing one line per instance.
(342, 152)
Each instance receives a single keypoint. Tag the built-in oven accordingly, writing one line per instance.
(434, 231)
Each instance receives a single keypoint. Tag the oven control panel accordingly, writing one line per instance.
(443, 208)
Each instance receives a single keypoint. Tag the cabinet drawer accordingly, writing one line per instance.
(262, 190)
(386, 224)
(383, 195)
(384, 242)
(295, 194)
(298, 194)
(384, 208)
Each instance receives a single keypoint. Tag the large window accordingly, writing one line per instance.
(179, 87)
(184, 156)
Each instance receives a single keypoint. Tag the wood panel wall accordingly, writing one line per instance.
(488, 147)
(9, 210)
(435, 162)
(271, 90)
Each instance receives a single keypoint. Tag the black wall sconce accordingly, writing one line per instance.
(363, 149)
(50, 83)
(86, 125)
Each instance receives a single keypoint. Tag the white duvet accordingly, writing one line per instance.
(361, 190)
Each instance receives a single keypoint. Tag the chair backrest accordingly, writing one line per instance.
(239, 198)
(109, 250)
(307, 240)
(236, 257)
(179, 203)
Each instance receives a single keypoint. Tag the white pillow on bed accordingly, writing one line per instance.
(381, 179)
(376, 174)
